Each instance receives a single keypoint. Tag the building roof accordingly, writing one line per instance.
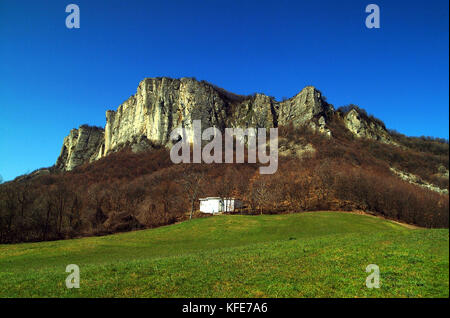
(210, 198)
(217, 198)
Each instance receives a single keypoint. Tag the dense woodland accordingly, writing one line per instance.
(126, 191)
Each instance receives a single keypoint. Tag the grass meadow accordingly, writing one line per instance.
(317, 254)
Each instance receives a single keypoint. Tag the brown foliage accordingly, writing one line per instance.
(126, 191)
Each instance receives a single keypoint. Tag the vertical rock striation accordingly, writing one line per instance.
(163, 104)
(80, 146)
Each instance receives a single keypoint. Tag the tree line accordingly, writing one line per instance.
(126, 191)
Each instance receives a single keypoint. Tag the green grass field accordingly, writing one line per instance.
(318, 254)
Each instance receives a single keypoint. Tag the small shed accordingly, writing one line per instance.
(216, 205)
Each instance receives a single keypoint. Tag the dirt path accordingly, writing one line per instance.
(409, 226)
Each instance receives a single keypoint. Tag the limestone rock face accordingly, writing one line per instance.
(302, 108)
(80, 146)
(364, 128)
(160, 105)
(307, 107)
(258, 111)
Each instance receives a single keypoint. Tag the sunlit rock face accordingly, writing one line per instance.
(80, 146)
(302, 108)
(365, 128)
(160, 105)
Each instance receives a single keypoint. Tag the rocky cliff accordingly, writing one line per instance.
(363, 127)
(80, 146)
(162, 104)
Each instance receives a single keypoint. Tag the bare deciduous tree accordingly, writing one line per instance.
(192, 185)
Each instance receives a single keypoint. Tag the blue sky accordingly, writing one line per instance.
(54, 79)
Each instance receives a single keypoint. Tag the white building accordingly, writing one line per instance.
(217, 205)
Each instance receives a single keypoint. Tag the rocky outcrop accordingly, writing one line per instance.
(160, 105)
(255, 111)
(416, 180)
(289, 148)
(302, 108)
(80, 146)
(363, 127)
